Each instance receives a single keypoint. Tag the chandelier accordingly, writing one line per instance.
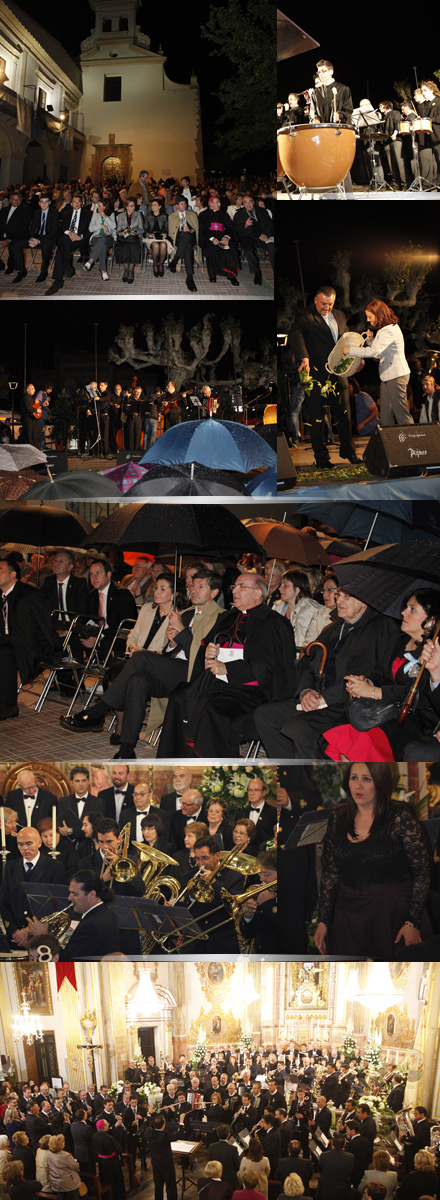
(25, 1026)
(144, 999)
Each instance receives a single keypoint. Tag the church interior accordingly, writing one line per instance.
(270, 1029)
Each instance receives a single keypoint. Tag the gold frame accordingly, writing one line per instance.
(24, 973)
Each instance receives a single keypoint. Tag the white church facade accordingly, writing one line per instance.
(116, 112)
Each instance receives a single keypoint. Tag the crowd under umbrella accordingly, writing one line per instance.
(281, 540)
(41, 525)
(17, 456)
(73, 485)
(203, 528)
(365, 517)
(263, 484)
(384, 577)
(213, 444)
(14, 484)
(187, 479)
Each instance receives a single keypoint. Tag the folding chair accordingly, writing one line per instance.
(98, 670)
(69, 663)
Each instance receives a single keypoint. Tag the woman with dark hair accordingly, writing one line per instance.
(330, 589)
(153, 833)
(186, 858)
(376, 874)
(89, 826)
(388, 346)
(387, 740)
(129, 234)
(156, 240)
(216, 817)
(102, 230)
(306, 616)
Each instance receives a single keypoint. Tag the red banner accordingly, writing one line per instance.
(66, 971)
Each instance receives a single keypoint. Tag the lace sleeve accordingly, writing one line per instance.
(330, 875)
(407, 830)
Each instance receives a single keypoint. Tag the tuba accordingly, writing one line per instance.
(152, 864)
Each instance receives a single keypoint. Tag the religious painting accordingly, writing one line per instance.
(33, 984)
(215, 978)
(216, 1024)
(307, 986)
(396, 1027)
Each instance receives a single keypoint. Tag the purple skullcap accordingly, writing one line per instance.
(100, 1124)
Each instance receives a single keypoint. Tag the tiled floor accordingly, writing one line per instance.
(88, 285)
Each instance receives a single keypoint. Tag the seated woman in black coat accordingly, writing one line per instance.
(18, 1187)
(422, 1181)
(22, 1153)
(156, 230)
(153, 833)
(129, 234)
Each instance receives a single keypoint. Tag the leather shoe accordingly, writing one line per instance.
(21, 275)
(190, 284)
(233, 279)
(355, 460)
(82, 721)
(10, 270)
(7, 711)
(172, 267)
(258, 278)
(115, 739)
(55, 287)
(41, 277)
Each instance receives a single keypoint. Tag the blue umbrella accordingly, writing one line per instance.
(264, 484)
(226, 445)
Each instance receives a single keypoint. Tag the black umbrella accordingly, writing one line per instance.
(187, 479)
(384, 577)
(41, 525)
(74, 485)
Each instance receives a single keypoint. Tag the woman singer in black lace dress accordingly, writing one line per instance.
(376, 875)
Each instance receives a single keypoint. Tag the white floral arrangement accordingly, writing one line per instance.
(247, 1041)
(380, 1110)
(231, 783)
(198, 1053)
(151, 1095)
(115, 1089)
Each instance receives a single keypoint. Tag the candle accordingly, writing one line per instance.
(29, 817)
(54, 827)
(2, 828)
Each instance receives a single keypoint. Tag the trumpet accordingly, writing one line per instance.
(235, 902)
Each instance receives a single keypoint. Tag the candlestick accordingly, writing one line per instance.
(2, 828)
(54, 827)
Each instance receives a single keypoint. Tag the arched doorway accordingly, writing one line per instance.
(111, 166)
(34, 166)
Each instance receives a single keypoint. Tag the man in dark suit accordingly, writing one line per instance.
(360, 635)
(43, 233)
(312, 337)
(258, 811)
(118, 800)
(148, 674)
(253, 228)
(97, 932)
(14, 226)
(228, 1156)
(74, 225)
(270, 1138)
(37, 1125)
(417, 1141)
(323, 1119)
(29, 801)
(26, 635)
(336, 1167)
(395, 1096)
(143, 804)
(63, 590)
(31, 867)
(294, 1164)
(75, 806)
(171, 801)
(360, 1147)
(368, 1128)
(329, 1085)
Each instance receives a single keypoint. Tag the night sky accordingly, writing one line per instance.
(364, 44)
(368, 232)
(72, 327)
(181, 42)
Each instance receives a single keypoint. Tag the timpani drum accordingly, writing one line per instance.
(423, 125)
(316, 157)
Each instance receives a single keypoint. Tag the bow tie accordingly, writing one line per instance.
(28, 797)
(119, 792)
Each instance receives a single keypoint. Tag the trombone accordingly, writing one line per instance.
(122, 870)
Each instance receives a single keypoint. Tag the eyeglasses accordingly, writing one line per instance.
(242, 587)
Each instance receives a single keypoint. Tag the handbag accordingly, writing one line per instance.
(366, 714)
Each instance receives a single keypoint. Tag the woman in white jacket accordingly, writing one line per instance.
(388, 346)
(102, 229)
(306, 616)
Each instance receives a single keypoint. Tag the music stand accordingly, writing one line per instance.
(44, 902)
(185, 1151)
(366, 120)
(310, 829)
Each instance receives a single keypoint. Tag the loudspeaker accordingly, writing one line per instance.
(286, 473)
(402, 450)
(57, 461)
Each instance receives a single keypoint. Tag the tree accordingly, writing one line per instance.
(194, 351)
(243, 32)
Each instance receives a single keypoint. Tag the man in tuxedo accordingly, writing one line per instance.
(37, 1125)
(336, 1167)
(183, 229)
(74, 225)
(148, 674)
(368, 1128)
(329, 1084)
(79, 802)
(323, 1118)
(253, 228)
(14, 226)
(228, 1156)
(259, 811)
(192, 809)
(97, 932)
(43, 233)
(395, 1096)
(31, 867)
(419, 1139)
(26, 635)
(143, 802)
(360, 1148)
(312, 337)
(29, 801)
(118, 800)
(295, 1164)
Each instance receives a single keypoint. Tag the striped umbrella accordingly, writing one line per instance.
(125, 475)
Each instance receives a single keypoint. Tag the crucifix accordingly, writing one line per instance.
(89, 1023)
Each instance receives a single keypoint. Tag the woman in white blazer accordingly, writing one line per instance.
(388, 346)
(102, 229)
(150, 631)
